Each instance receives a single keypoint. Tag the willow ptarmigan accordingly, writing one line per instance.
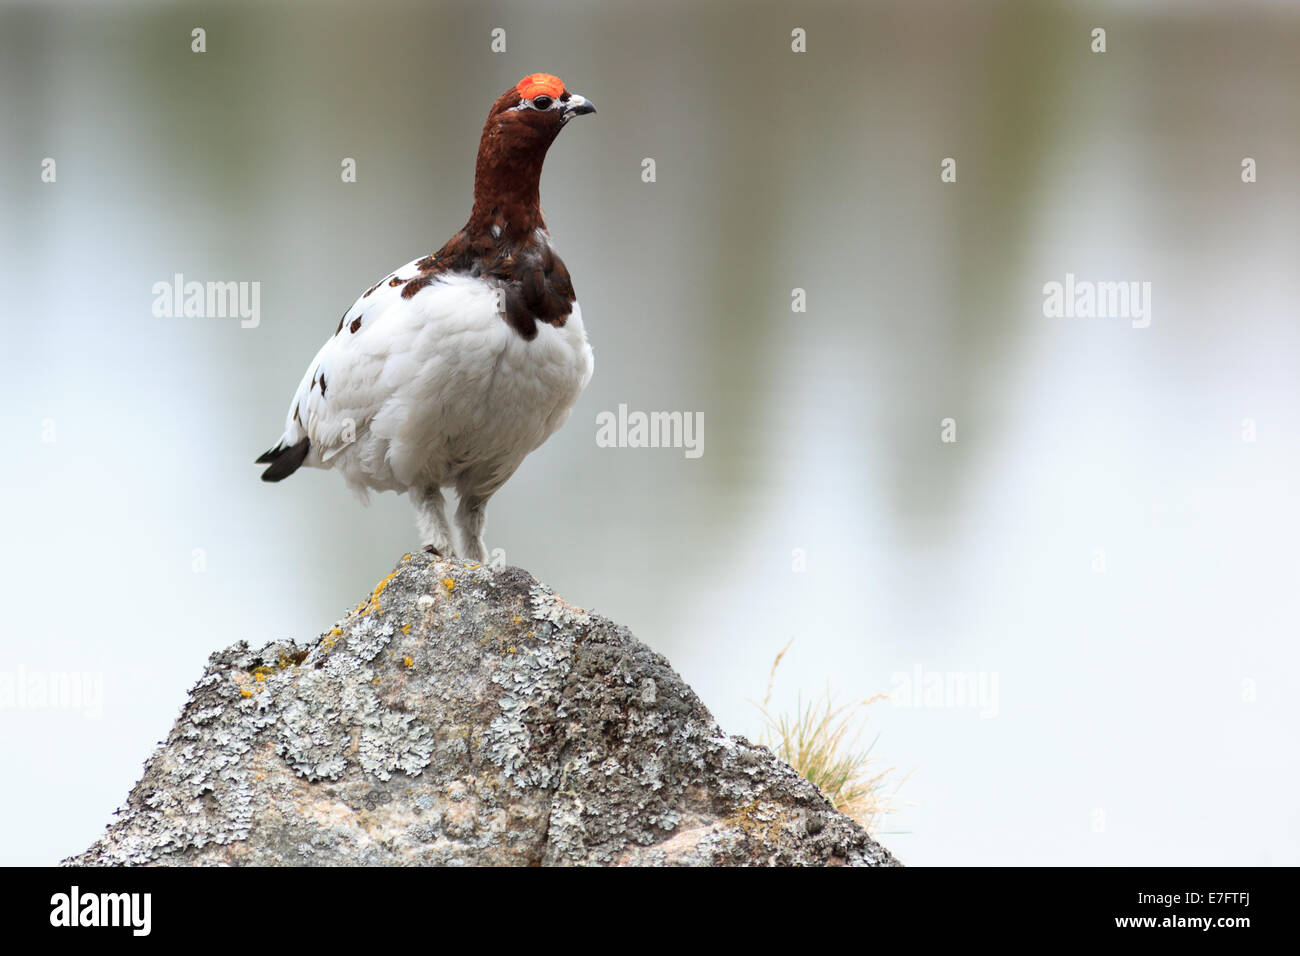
(449, 371)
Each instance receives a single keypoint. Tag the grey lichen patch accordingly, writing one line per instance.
(461, 715)
(547, 606)
(391, 741)
(523, 730)
(370, 640)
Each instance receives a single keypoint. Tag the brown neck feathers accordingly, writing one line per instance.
(507, 178)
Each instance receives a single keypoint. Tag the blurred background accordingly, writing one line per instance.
(1109, 543)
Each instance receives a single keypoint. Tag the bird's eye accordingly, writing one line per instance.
(541, 102)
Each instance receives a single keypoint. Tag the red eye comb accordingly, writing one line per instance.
(540, 84)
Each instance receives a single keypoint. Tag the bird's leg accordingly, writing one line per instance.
(470, 515)
(431, 519)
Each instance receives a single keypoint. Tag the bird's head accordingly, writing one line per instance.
(526, 118)
(538, 105)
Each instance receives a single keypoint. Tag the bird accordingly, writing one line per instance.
(449, 371)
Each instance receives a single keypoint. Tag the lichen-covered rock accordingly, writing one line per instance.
(462, 715)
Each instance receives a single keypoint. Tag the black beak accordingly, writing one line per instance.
(578, 105)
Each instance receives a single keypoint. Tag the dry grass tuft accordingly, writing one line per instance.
(821, 742)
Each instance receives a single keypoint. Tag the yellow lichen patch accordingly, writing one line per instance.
(518, 619)
(373, 603)
(291, 660)
(408, 662)
(245, 692)
(375, 681)
(755, 821)
(331, 638)
(406, 629)
(449, 584)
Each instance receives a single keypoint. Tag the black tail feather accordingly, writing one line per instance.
(284, 460)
